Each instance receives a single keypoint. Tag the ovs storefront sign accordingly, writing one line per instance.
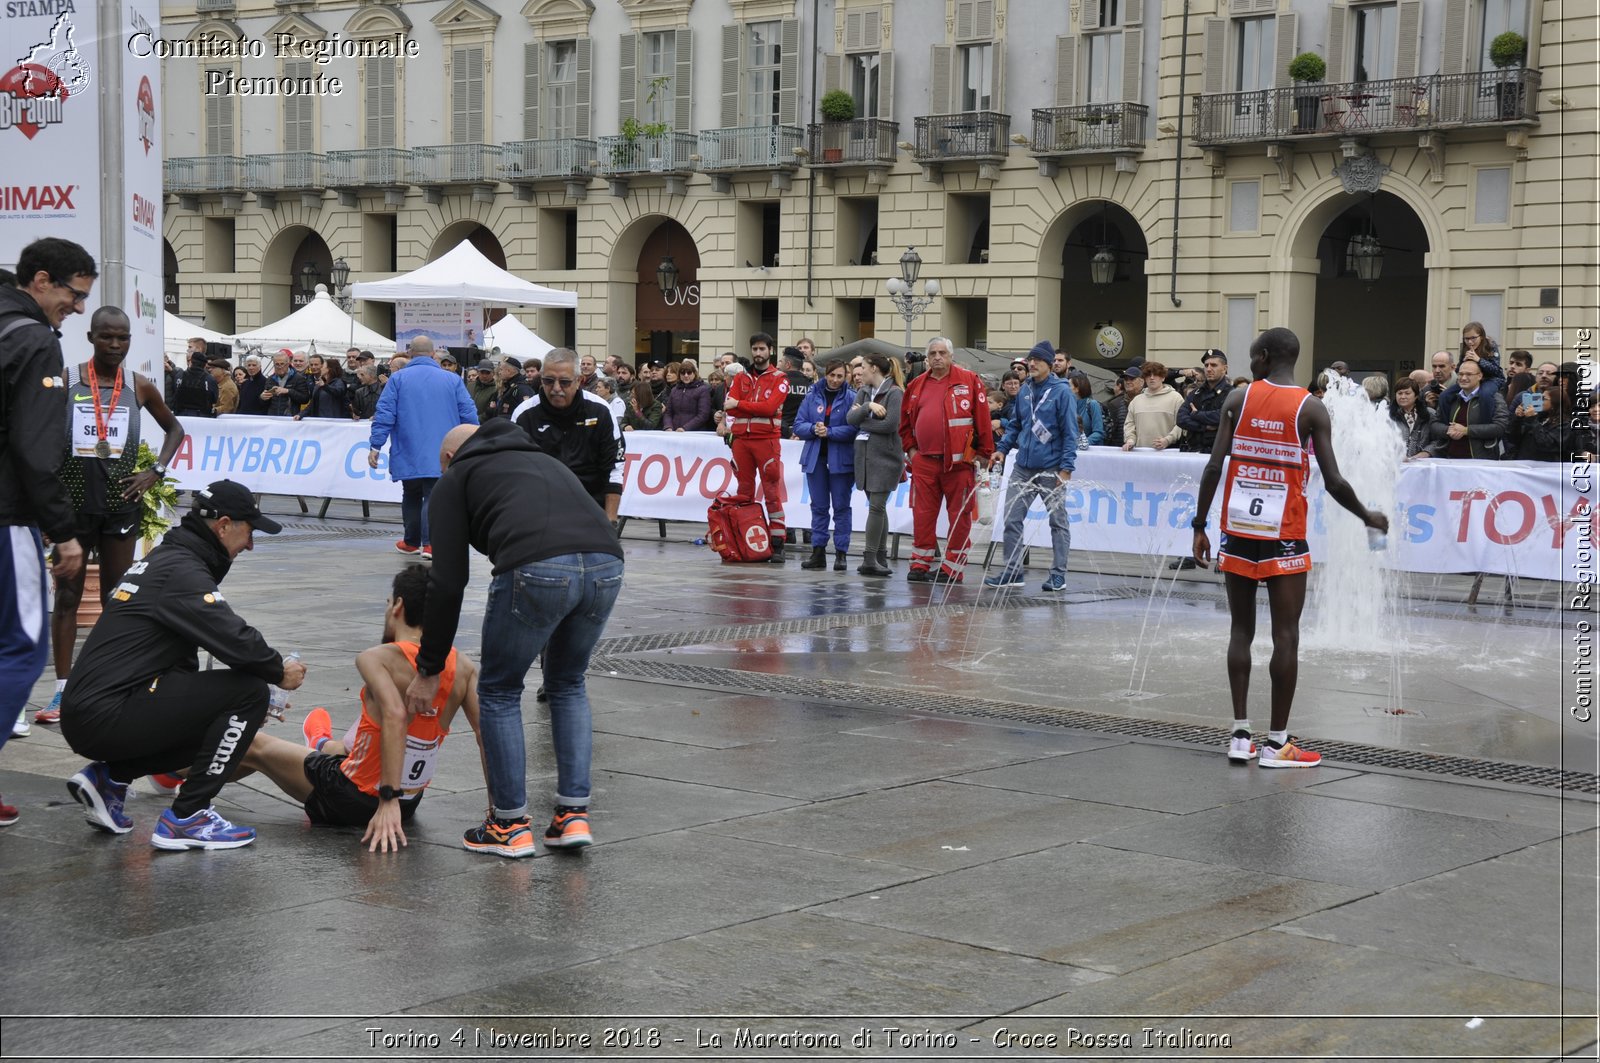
(688, 295)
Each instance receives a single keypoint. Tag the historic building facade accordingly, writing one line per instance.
(1125, 178)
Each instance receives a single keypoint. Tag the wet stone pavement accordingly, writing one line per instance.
(844, 817)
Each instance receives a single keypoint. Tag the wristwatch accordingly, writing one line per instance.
(1198, 524)
(159, 468)
(389, 793)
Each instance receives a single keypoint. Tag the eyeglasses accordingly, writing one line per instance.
(562, 382)
(77, 296)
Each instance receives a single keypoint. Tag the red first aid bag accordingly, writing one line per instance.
(738, 530)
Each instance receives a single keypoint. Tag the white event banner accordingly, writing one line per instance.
(447, 322)
(141, 209)
(1534, 519)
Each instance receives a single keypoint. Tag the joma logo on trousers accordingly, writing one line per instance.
(225, 748)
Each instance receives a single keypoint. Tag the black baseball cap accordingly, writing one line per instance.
(486, 366)
(225, 498)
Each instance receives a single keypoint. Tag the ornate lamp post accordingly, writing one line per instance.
(340, 275)
(902, 291)
(307, 277)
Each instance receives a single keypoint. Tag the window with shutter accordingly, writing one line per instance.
(1338, 21)
(656, 77)
(380, 102)
(562, 90)
(683, 80)
(885, 107)
(865, 83)
(1254, 65)
(1376, 41)
(762, 75)
(1132, 66)
(628, 78)
(466, 94)
(1066, 70)
(941, 67)
(1408, 38)
(531, 54)
(299, 110)
(789, 72)
(582, 87)
(1499, 16)
(1214, 73)
(219, 122)
(1286, 47)
(1102, 80)
(732, 45)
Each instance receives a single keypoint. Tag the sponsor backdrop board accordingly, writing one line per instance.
(447, 322)
(55, 95)
(1519, 518)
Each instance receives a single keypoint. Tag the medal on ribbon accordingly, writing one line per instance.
(102, 415)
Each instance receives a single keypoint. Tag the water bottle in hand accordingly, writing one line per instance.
(278, 699)
(1377, 538)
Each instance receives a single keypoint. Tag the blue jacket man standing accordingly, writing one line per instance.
(1043, 429)
(421, 403)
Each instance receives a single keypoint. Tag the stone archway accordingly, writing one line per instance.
(480, 236)
(1381, 326)
(169, 277)
(1074, 311)
(642, 321)
(289, 252)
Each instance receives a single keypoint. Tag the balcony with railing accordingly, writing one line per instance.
(628, 156)
(1092, 128)
(455, 164)
(760, 147)
(858, 142)
(1484, 98)
(369, 168)
(975, 135)
(296, 170)
(553, 159)
(205, 173)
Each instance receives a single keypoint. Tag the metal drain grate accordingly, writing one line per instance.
(812, 688)
(301, 533)
(669, 640)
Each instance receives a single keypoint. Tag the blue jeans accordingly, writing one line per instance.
(414, 509)
(24, 621)
(830, 489)
(558, 606)
(1025, 486)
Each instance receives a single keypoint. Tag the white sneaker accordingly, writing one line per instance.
(22, 728)
(1241, 749)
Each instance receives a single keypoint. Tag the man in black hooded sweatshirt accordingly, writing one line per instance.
(137, 703)
(557, 574)
(576, 429)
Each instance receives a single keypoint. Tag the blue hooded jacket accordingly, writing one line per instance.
(418, 406)
(1043, 426)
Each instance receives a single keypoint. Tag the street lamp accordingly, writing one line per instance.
(1103, 266)
(667, 276)
(1365, 257)
(902, 290)
(309, 276)
(339, 273)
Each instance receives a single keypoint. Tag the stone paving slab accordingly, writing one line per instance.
(1092, 906)
(1322, 838)
(1291, 997)
(1159, 778)
(1460, 916)
(939, 826)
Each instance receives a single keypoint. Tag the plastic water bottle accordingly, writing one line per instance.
(278, 700)
(986, 498)
(1377, 539)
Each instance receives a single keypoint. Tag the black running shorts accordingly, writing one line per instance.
(1260, 559)
(335, 801)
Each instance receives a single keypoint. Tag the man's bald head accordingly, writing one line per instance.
(420, 346)
(453, 441)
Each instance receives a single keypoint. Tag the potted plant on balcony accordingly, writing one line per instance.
(1307, 68)
(1509, 49)
(838, 107)
(626, 152)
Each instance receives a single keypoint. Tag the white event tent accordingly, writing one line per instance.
(321, 322)
(463, 273)
(515, 338)
(177, 332)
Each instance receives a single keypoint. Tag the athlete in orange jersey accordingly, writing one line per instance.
(1262, 436)
(377, 774)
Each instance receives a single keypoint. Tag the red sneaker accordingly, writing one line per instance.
(404, 547)
(318, 726)
(427, 552)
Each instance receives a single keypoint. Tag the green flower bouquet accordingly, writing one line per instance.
(159, 505)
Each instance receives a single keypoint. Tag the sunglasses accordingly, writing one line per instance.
(557, 381)
(77, 296)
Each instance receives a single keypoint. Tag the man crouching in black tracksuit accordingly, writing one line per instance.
(137, 703)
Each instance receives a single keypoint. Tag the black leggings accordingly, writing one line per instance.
(203, 721)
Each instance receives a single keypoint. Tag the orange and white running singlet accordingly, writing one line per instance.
(1264, 492)
(363, 765)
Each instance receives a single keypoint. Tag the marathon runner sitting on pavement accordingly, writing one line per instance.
(375, 776)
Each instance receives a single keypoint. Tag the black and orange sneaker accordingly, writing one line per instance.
(503, 837)
(569, 829)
